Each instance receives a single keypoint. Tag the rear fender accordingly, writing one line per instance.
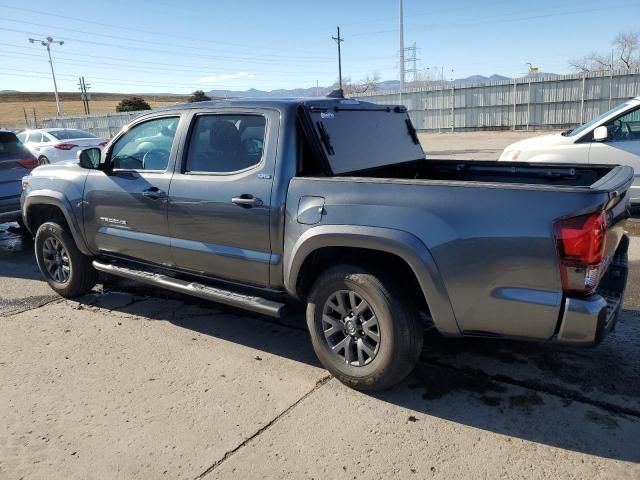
(402, 244)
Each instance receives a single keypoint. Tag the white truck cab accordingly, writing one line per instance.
(613, 137)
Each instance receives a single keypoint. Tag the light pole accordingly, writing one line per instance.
(47, 43)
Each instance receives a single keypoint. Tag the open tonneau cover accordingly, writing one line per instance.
(348, 136)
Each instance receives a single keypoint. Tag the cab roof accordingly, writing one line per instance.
(279, 103)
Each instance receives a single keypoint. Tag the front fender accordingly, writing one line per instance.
(59, 200)
(397, 242)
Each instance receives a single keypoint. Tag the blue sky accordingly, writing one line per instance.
(170, 46)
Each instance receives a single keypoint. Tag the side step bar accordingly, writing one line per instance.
(233, 299)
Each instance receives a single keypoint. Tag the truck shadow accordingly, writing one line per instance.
(582, 400)
(16, 254)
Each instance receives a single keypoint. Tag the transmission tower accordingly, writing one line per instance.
(411, 61)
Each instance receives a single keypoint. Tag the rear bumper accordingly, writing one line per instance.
(586, 321)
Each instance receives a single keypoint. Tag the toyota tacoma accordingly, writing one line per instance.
(331, 202)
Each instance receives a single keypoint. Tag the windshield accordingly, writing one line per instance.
(71, 134)
(599, 118)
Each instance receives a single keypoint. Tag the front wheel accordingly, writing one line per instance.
(67, 270)
(363, 329)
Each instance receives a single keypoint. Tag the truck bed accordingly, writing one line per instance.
(548, 175)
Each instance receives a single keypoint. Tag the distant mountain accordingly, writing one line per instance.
(480, 79)
(279, 93)
(322, 91)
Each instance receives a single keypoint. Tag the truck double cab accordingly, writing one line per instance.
(331, 202)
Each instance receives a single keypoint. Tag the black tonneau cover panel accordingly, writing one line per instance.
(351, 136)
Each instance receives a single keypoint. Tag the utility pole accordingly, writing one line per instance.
(47, 43)
(84, 95)
(339, 40)
(402, 65)
(26, 120)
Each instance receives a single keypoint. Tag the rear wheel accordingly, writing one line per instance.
(65, 268)
(363, 329)
(42, 160)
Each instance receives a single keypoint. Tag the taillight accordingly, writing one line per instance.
(581, 243)
(29, 162)
(65, 146)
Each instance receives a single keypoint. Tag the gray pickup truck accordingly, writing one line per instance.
(332, 202)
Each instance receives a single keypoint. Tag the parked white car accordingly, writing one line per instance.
(53, 145)
(613, 137)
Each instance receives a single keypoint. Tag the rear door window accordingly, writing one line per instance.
(35, 137)
(225, 143)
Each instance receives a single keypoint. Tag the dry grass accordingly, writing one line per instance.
(12, 104)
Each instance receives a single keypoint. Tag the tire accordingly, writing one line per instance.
(398, 328)
(42, 160)
(80, 274)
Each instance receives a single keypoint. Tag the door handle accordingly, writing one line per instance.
(154, 193)
(247, 201)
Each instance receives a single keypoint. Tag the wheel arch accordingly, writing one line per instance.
(396, 245)
(41, 206)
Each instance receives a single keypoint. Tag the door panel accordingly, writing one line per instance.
(125, 210)
(220, 200)
(120, 220)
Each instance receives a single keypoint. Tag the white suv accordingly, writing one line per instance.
(52, 145)
(613, 137)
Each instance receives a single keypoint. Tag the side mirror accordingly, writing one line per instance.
(89, 158)
(600, 134)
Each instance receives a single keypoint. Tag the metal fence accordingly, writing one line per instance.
(518, 104)
(105, 126)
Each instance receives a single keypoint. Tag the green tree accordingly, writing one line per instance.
(199, 96)
(132, 104)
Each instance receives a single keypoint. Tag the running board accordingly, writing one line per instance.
(233, 299)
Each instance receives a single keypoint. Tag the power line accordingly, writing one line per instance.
(149, 32)
(164, 52)
(163, 44)
(493, 20)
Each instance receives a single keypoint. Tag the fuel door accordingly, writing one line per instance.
(310, 210)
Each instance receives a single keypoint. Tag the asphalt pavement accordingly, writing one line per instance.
(134, 382)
